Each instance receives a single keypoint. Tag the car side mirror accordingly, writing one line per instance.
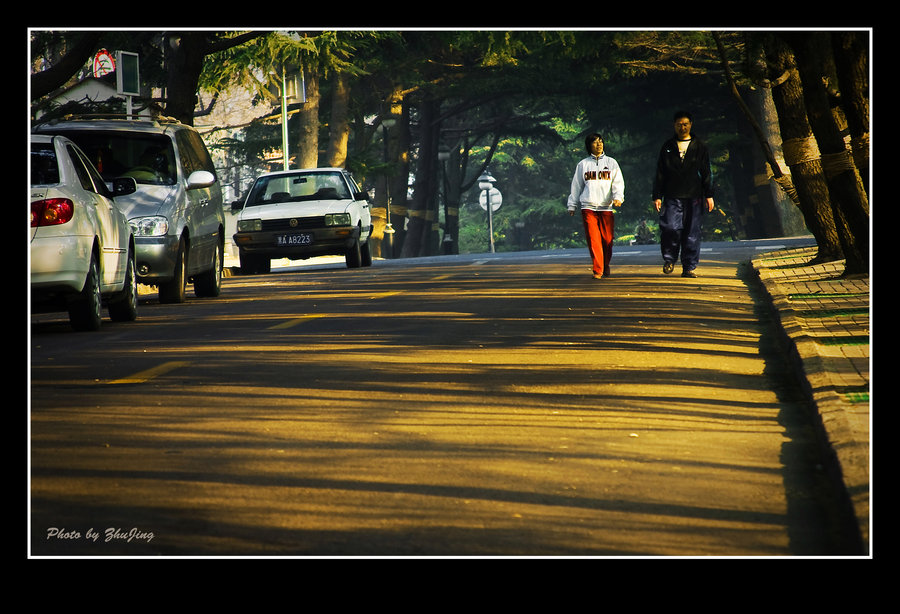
(200, 179)
(237, 205)
(361, 196)
(122, 186)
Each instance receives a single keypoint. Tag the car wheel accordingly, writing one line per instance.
(84, 311)
(173, 291)
(123, 307)
(366, 254)
(353, 255)
(251, 265)
(210, 282)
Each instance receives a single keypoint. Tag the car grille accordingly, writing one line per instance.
(285, 224)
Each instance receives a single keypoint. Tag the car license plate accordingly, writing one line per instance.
(296, 239)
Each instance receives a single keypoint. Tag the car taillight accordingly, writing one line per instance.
(51, 211)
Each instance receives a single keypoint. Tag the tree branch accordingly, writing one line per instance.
(44, 82)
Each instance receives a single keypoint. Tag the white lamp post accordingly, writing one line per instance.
(388, 122)
(284, 124)
(486, 183)
(289, 91)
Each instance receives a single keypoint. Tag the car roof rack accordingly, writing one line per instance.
(158, 120)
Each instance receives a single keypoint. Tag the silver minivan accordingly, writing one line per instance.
(176, 212)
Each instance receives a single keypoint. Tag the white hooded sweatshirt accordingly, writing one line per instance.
(596, 184)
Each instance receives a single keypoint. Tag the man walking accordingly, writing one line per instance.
(682, 194)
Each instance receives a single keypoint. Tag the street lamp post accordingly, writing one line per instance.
(291, 89)
(284, 124)
(284, 115)
(486, 183)
(450, 229)
(388, 122)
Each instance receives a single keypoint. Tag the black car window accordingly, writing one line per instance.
(99, 186)
(298, 187)
(353, 185)
(80, 169)
(149, 158)
(193, 153)
(206, 162)
(44, 169)
(189, 161)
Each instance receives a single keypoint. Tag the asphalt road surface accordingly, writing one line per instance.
(487, 405)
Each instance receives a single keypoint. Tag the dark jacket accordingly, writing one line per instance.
(688, 178)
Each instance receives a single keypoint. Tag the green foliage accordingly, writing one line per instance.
(534, 176)
(520, 101)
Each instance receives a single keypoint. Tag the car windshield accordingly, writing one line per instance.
(149, 158)
(44, 170)
(296, 187)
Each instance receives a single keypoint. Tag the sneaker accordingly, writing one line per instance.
(668, 267)
(598, 276)
(688, 274)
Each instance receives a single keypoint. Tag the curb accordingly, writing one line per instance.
(825, 321)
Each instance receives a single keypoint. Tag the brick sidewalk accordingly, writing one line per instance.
(826, 320)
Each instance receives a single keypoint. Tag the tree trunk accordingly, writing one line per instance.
(848, 199)
(421, 211)
(762, 219)
(433, 232)
(758, 214)
(789, 213)
(379, 241)
(851, 60)
(336, 154)
(308, 118)
(185, 54)
(452, 196)
(77, 52)
(806, 166)
(399, 140)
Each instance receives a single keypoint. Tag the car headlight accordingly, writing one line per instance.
(153, 226)
(249, 225)
(337, 219)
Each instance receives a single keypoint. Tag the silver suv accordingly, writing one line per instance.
(176, 213)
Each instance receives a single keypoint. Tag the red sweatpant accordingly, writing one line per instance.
(598, 230)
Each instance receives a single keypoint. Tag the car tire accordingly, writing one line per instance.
(209, 284)
(123, 307)
(353, 256)
(251, 265)
(84, 310)
(365, 254)
(173, 291)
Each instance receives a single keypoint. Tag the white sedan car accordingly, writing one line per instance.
(82, 248)
(298, 214)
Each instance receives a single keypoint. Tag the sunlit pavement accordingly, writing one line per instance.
(485, 409)
(826, 319)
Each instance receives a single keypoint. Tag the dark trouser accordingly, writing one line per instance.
(680, 222)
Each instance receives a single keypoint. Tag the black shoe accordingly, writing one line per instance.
(688, 274)
(668, 267)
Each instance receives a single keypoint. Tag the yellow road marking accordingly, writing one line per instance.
(293, 322)
(143, 376)
(382, 295)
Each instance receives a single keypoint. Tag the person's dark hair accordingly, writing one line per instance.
(679, 114)
(593, 136)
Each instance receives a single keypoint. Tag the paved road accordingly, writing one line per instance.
(488, 405)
